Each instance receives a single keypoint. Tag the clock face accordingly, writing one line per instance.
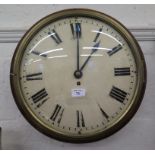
(77, 77)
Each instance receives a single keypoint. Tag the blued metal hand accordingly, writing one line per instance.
(77, 33)
(78, 73)
(94, 49)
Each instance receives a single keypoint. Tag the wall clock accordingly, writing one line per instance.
(78, 75)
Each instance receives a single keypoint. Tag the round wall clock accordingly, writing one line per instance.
(78, 75)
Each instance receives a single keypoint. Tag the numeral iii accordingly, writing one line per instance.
(122, 71)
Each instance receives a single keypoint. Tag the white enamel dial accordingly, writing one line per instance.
(78, 76)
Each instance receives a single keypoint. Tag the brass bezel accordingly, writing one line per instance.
(15, 70)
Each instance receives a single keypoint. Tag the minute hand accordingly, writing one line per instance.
(94, 49)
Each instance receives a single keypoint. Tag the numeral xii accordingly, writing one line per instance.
(76, 30)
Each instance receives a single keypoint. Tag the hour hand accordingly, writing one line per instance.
(78, 73)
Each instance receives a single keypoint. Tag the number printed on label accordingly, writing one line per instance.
(78, 92)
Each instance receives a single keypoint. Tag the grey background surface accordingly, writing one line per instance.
(17, 133)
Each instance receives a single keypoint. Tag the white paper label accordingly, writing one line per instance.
(78, 92)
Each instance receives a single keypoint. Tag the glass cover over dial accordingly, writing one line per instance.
(78, 76)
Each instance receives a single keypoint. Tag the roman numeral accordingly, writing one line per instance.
(76, 30)
(39, 95)
(35, 76)
(57, 113)
(38, 53)
(42, 102)
(118, 94)
(115, 50)
(54, 35)
(122, 71)
(97, 35)
(103, 112)
(80, 119)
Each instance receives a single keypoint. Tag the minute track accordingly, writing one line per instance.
(47, 84)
